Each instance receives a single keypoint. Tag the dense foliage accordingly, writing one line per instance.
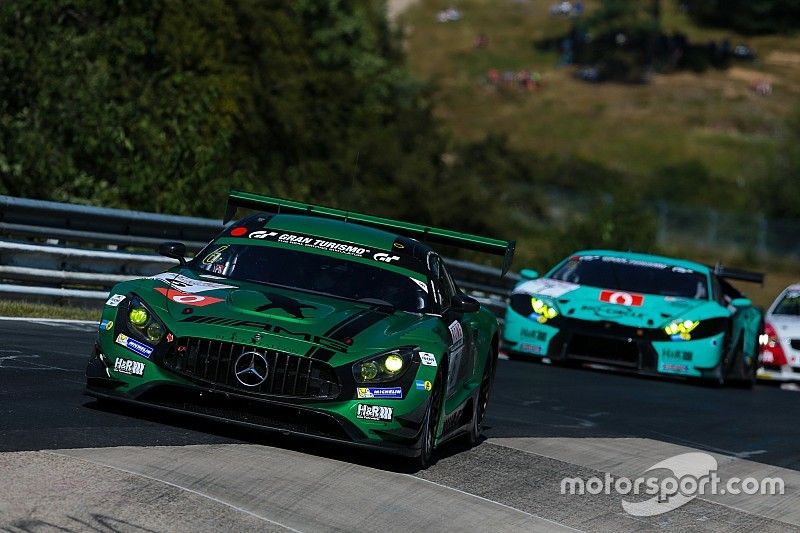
(163, 105)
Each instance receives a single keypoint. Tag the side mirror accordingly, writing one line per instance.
(174, 250)
(741, 303)
(528, 273)
(461, 303)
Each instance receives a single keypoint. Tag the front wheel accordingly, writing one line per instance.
(482, 401)
(429, 426)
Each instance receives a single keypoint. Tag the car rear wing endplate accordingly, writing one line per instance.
(466, 241)
(739, 275)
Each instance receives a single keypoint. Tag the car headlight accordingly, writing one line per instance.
(142, 321)
(681, 330)
(385, 367)
(534, 307)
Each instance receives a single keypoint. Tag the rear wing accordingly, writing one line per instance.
(739, 275)
(476, 243)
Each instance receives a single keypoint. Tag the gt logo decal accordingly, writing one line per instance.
(622, 298)
(386, 258)
(188, 299)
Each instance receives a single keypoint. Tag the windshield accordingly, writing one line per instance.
(313, 272)
(649, 277)
(789, 304)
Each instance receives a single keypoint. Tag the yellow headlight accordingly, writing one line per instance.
(393, 363)
(368, 371)
(138, 316)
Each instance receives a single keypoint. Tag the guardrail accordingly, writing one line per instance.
(65, 253)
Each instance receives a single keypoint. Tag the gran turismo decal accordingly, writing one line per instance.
(388, 393)
(427, 359)
(135, 346)
(342, 247)
(374, 412)
(185, 284)
(188, 299)
(325, 342)
(456, 355)
(131, 368)
(115, 300)
(622, 298)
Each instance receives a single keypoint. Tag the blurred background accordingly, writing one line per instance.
(665, 126)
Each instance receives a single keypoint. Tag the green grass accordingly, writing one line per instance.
(27, 309)
(711, 117)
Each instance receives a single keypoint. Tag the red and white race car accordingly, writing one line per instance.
(780, 341)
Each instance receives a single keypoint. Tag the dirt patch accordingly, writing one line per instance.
(785, 59)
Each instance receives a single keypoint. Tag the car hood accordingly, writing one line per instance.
(786, 325)
(211, 307)
(626, 308)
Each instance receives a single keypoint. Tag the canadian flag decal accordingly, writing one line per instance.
(622, 298)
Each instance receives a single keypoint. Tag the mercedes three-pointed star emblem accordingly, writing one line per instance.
(251, 369)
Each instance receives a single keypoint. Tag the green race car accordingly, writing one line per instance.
(646, 313)
(312, 321)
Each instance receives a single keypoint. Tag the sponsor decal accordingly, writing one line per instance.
(680, 355)
(635, 262)
(170, 337)
(427, 359)
(671, 367)
(386, 258)
(126, 366)
(189, 285)
(342, 247)
(106, 324)
(456, 332)
(115, 300)
(421, 284)
(325, 342)
(185, 298)
(546, 287)
(135, 346)
(456, 354)
(533, 348)
(219, 268)
(389, 393)
(622, 298)
(214, 256)
(374, 412)
(533, 334)
(423, 385)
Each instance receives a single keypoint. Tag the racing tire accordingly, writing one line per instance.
(482, 400)
(430, 425)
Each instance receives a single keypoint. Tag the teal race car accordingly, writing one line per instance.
(311, 321)
(646, 313)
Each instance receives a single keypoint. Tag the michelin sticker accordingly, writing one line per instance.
(126, 366)
(135, 346)
(374, 412)
(546, 287)
(427, 359)
(387, 393)
(189, 285)
(115, 300)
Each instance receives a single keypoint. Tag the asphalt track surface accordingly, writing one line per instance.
(66, 464)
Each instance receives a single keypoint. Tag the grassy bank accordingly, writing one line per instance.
(26, 309)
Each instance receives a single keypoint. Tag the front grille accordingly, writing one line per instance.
(604, 349)
(795, 343)
(287, 375)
